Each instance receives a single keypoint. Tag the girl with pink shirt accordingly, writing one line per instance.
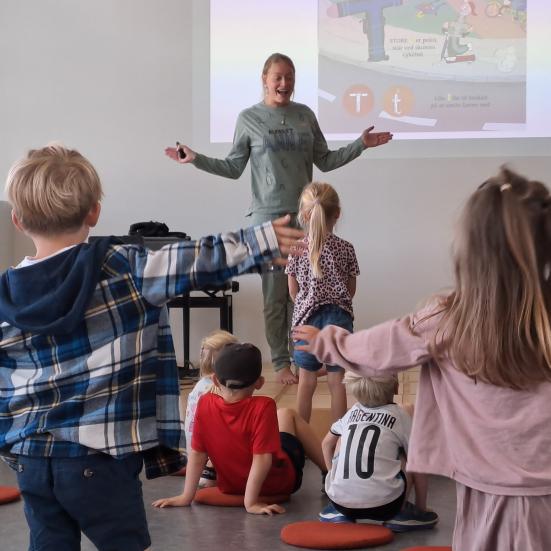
(321, 284)
(483, 409)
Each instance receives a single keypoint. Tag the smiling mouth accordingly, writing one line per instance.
(283, 92)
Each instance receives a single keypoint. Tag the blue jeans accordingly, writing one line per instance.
(328, 314)
(97, 494)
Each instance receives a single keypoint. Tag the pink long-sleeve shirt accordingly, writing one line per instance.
(496, 440)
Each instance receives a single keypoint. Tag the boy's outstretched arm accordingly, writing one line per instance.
(181, 267)
(196, 464)
(260, 467)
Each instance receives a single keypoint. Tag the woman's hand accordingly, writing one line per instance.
(264, 509)
(376, 138)
(172, 152)
(288, 239)
(176, 501)
(306, 333)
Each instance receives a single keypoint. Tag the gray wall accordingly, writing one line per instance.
(6, 236)
(113, 78)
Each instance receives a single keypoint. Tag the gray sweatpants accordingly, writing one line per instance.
(278, 307)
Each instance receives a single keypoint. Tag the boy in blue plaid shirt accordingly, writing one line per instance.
(88, 378)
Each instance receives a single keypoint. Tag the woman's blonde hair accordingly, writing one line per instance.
(371, 391)
(52, 190)
(495, 325)
(319, 204)
(210, 346)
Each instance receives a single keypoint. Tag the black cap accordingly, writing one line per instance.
(238, 365)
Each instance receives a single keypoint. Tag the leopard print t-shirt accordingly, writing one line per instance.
(338, 263)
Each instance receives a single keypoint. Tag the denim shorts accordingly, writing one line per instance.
(328, 314)
(96, 494)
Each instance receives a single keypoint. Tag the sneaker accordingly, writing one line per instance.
(412, 518)
(208, 478)
(330, 514)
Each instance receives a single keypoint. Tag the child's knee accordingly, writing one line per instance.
(285, 414)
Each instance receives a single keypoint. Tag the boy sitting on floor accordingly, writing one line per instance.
(365, 454)
(256, 450)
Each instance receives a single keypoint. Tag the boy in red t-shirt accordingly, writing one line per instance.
(255, 449)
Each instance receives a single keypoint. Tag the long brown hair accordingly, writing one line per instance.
(318, 205)
(495, 326)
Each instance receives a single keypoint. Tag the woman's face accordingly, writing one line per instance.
(279, 84)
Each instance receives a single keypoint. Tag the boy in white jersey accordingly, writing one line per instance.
(364, 452)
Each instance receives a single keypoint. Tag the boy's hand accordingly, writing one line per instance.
(176, 501)
(265, 509)
(288, 239)
(172, 152)
(306, 333)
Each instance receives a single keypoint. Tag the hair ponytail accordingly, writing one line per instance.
(319, 202)
(317, 228)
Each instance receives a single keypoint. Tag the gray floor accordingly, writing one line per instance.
(200, 527)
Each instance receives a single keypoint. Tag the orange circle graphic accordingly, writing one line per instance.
(358, 100)
(399, 101)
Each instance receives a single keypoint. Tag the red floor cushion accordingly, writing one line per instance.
(428, 548)
(325, 535)
(181, 472)
(9, 494)
(213, 496)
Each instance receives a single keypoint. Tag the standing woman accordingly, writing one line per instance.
(283, 140)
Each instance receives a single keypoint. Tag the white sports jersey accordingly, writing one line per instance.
(366, 467)
(202, 386)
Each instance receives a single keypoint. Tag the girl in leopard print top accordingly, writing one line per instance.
(321, 284)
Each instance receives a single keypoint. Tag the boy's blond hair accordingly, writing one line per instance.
(371, 391)
(210, 345)
(52, 190)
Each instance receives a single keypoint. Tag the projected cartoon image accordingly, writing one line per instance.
(429, 66)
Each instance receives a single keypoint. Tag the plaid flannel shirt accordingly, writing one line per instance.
(112, 386)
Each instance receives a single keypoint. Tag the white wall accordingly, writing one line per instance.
(113, 78)
(6, 236)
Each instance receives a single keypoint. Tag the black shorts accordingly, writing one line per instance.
(381, 513)
(293, 447)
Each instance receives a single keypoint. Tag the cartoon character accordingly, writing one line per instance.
(429, 8)
(515, 8)
(373, 21)
(454, 50)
